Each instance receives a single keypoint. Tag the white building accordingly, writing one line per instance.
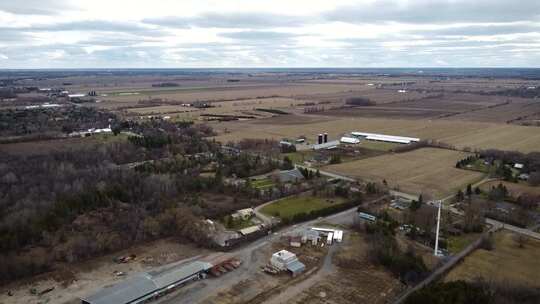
(286, 260)
(349, 140)
(386, 138)
(331, 234)
(282, 258)
(328, 145)
(243, 214)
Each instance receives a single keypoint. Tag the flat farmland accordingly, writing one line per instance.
(186, 94)
(502, 113)
(387, 112)
(428, 170)
(505, 263)
(235, 107)
(471, 84)
(386, 95)
(515, 189)
(475, 135)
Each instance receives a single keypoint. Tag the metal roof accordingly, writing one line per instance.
(126, 291)
(296, 266)
(249, 230)
(165, 277)
(291, 175)
(327, 145)
(145, 283)
(349, 140)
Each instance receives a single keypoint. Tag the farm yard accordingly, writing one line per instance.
(357, 279)
(505, 263)
(463, 134)
(430, 171)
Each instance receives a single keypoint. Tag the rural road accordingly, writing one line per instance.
(197, 292)
(446, 267)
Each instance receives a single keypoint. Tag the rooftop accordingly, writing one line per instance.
(145, 283)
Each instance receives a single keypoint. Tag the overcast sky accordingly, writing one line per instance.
(269, 33)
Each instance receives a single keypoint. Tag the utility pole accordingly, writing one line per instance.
(436, 251)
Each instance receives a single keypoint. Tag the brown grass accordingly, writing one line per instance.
(505, 263)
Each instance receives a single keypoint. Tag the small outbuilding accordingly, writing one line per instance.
(296, 268)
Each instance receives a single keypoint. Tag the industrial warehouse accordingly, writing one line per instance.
(149, 286)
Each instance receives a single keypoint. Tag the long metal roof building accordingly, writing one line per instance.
(387, 138)
(145, 285)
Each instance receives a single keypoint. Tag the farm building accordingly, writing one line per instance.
(243, 214)
(290, 176)
(286, 260)
(349, 140)
(149, 285)
(295, 241)
(386, 138)
(330, 233)
(249, 230)
(328, 145)
(311, 236)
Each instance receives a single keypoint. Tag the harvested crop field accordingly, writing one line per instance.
(501, 113)
(428, 170)
(187, 95)
(389, 112)
(505, 263)
(474, 135)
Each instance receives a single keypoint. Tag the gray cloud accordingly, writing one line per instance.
(481, 30)
(438, 11)
(93, 25)
(35, 7)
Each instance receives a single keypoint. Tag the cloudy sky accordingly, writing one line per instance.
(269, 33)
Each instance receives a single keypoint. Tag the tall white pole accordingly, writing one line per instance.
(437, 233)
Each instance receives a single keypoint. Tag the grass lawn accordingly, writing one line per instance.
(299, 157)
(458, 243)
(288, 207)
(237, 224)
(505, 263)
(264, 183)
(378, 145)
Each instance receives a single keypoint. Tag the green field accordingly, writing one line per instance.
(264, 183)
(237, 224)
(458, 243)
(288, 207)
(300, 156)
